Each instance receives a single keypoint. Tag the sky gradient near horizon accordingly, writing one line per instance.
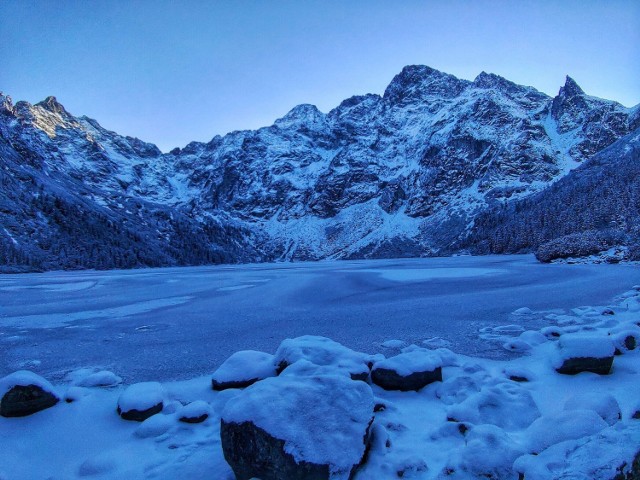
(172, 72)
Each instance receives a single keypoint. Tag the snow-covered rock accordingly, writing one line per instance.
(291, 427)
(603, 404)
(411, 370)
(566, 425)
(195, 412)
(155, 426)
(489, 453)
(23, 393)
(242, 369)
(323, 352)
(506, 405)
(585, 353)
(141, 400)
(610, 454)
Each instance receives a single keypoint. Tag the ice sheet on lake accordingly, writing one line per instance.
(422, 274)
(52, 320)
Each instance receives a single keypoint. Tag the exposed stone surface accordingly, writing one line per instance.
(391, 380)
(23, 393)
(573, 366)
(23, 400)
(411, 370)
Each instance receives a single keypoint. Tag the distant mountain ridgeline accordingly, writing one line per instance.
(434, 166)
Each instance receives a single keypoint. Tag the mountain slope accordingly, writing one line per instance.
(402, 174)
(596, 206)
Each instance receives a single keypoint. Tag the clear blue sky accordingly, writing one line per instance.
(174, 71)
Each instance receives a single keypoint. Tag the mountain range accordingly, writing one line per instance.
(435, 166)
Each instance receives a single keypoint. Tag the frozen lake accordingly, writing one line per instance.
(178, 323)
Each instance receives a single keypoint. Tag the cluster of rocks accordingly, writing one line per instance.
(307, 411)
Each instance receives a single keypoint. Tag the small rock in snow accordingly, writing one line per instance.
(567, 425)
(155, 426)
(604, 405)
(579, 353)
(243, 369)
(626, 340)
(322, 351)
(140, 401)
(23, 393)
(195, 412)
(408, 371)
(518, 374)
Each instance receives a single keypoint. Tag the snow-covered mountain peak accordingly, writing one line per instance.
(493, 82)
(570, 88)
(306, 114)
(51, 104)
(6, 104)
(417, 83)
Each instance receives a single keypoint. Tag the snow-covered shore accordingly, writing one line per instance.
(485, 419)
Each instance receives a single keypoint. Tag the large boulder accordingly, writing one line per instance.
(323, 352)
(298, 428)
(411, 370)
(578, 353)
(23, 393)
(243, 369)
(140, 401)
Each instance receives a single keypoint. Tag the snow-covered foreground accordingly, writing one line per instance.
(487, 418)
(176, 324)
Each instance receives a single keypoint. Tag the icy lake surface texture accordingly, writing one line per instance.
(179, 323)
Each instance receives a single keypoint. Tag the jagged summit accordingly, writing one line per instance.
(417, 82)
(51, 104)
(491, 80)
(301, 113)
(570, 88)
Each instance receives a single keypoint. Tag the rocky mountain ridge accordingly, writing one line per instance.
(402, 174)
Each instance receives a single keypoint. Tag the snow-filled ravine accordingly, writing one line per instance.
(177, 323)
(460, 368)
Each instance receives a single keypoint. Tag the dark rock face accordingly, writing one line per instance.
(573, 366)
(392, 380)
(21, 401)
(253, 453)
(140, 415)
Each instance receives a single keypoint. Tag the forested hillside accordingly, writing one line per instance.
(595, 207)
